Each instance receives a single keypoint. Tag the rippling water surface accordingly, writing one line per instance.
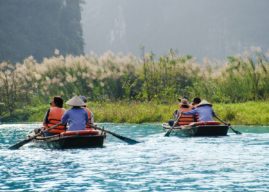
(232, 163)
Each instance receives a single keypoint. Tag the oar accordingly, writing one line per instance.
(171, 129)
(126, 139)
(21, 143)
(235, 131)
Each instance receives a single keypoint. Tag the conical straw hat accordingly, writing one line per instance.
(204, 102)
(75, 101)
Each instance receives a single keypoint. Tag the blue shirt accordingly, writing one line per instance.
(76, 118)
(204, 112)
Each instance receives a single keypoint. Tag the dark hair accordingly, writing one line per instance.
(58, 101)
(196, 100)
(83, 98)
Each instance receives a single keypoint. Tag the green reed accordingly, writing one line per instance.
(248, 113)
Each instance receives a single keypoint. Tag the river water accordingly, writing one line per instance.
(158, 163)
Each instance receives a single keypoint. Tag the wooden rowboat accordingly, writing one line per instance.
(72, 140)
(199, 129)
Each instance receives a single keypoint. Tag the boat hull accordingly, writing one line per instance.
(199, 131)
(70, 142)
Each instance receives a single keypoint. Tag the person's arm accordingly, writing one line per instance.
(191, 112)
(65, 118)
(213, 113)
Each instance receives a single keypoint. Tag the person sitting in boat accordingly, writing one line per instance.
(54, 116)
(195, 102)
(75, 118)
(89, 112)
(203, 110)
(184, 106)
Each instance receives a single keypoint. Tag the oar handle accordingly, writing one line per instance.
(21, 143)
(52, 127)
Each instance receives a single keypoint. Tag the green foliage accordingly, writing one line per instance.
(116, 77)
(248, 113)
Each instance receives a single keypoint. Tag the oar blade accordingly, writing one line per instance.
(125, 139)
(20, 144)
(235, 131)
(168, 133)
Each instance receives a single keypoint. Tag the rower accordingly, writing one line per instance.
(203, 110)
(76, 118)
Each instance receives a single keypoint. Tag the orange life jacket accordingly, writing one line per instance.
(186, 119)
(89, 117)
(54, 117)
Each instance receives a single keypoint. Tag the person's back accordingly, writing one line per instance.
(203, 110)
(76, 118)
(184, 106)
(186, 119)
(53, 116)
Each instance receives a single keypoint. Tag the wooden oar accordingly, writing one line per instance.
(21, 143)
(126, 139)
(229, 125)
(171, 129)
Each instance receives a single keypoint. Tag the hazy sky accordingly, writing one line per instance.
(213, 28)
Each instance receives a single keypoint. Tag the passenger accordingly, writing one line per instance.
(54, 116)
(203, 110)
(90, 114)
(184, 106)
(76, 118)
(195, 102)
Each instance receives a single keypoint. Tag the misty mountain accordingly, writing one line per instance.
(212, 28)
(37, 28)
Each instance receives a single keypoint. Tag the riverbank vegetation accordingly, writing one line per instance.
(248, 113)
(125, 88)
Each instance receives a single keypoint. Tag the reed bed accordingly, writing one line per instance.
(116, 79)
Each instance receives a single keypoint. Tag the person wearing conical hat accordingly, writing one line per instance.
(203, 110)
(76, 118)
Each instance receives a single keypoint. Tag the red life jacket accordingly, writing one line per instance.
(186, 119)
(54, 117)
